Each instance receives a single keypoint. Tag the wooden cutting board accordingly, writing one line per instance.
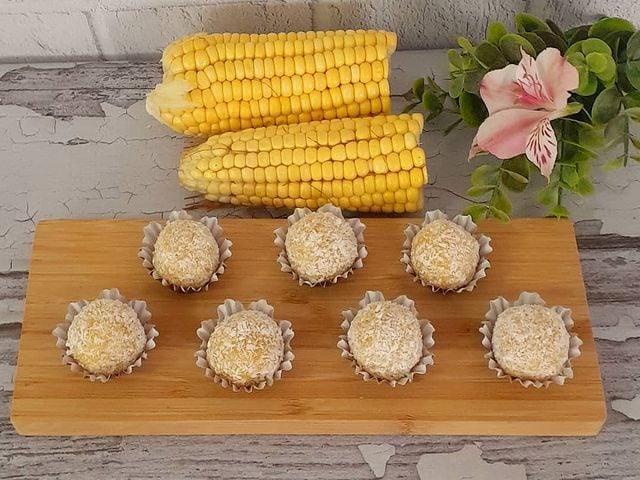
(169, 395)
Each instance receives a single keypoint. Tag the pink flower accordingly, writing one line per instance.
(522, 100)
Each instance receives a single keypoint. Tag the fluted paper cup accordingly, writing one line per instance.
(499, 305)
(153, 229)
(228, 308)
(281, 234)
(144, 315)
(465, 222)
(426, 329)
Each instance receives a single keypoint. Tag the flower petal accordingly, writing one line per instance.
(534, 93)
(499, 90)
(542, 147)
(505, 133)
(557, 76)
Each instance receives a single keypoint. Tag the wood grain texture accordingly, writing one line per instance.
(76, 259)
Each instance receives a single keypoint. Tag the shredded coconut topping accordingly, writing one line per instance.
(186, 254)
(105, 337)
(385, 339)
(321, 246)
(530, 342)
(444, 254)
(246, 347)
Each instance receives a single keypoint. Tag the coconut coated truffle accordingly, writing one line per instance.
(444, 255)
(245, 348)
(530, 342)
(321, 246)
(186, 254)
(106, 337)
(385, 339)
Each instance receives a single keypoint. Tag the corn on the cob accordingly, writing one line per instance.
(228, 82)
(371, 164)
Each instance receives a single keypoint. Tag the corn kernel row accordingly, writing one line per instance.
(374, 159)
(216, 83)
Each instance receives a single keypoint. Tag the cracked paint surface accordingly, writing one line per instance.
(466, 464)
(377, 456)
(629, 408)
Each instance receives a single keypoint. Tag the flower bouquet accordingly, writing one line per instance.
(542, 99)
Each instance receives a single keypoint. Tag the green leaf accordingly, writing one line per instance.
(418, 87)
(478, 211)
(606, 105)
(455, 87)
(601, 64)
(615, 130)
(472, 109)
(555, 29)
(607, 25)
(499, 214)
(633, 60)
(631, 100)
(548, 195)
(500, 201)
(490, 56)
(595, 45)
(465, 44)
(613, 164)
(514, 173)
(517, 177)
(537, 43)
(572, 108)
(559, 212)
(553, 40)
(454, 58)
(431, 103)
(584, 186)
(570, 176)
(589, 45)
(480, 190)
(590, 136)
(472, 80)
(633, 113)
(495, 31)
(484, 175)
(623, 81)
(635, 141)
(577, 33)
(510, 45)
(410, 107)
(526, 22)
(636, 158)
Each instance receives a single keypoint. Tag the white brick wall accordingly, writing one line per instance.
(118, 29)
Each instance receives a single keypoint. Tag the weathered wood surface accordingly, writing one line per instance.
(75, 142)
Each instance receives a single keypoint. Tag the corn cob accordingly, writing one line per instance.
(371, 164)
(228, 82)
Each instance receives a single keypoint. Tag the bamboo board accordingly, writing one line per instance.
(169, 395)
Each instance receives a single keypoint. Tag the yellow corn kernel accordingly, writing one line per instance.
(305, 173)
(406, 160)
(379, 164)
(287, 156)
(316, 171)
(327, 171)
(404, 179)
(416, 177)
(419, 159)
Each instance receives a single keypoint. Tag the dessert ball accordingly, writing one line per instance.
(530, 342)
(106, 337)
(444, 255)
(385, 339)
(186, 254)
(321, 246)
(245, 348)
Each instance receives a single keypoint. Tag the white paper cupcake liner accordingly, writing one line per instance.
(153, 229)
(229, 307)
(427, 340)
(465, 222)
(281, 234)
(139, 306)
(499, 305)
